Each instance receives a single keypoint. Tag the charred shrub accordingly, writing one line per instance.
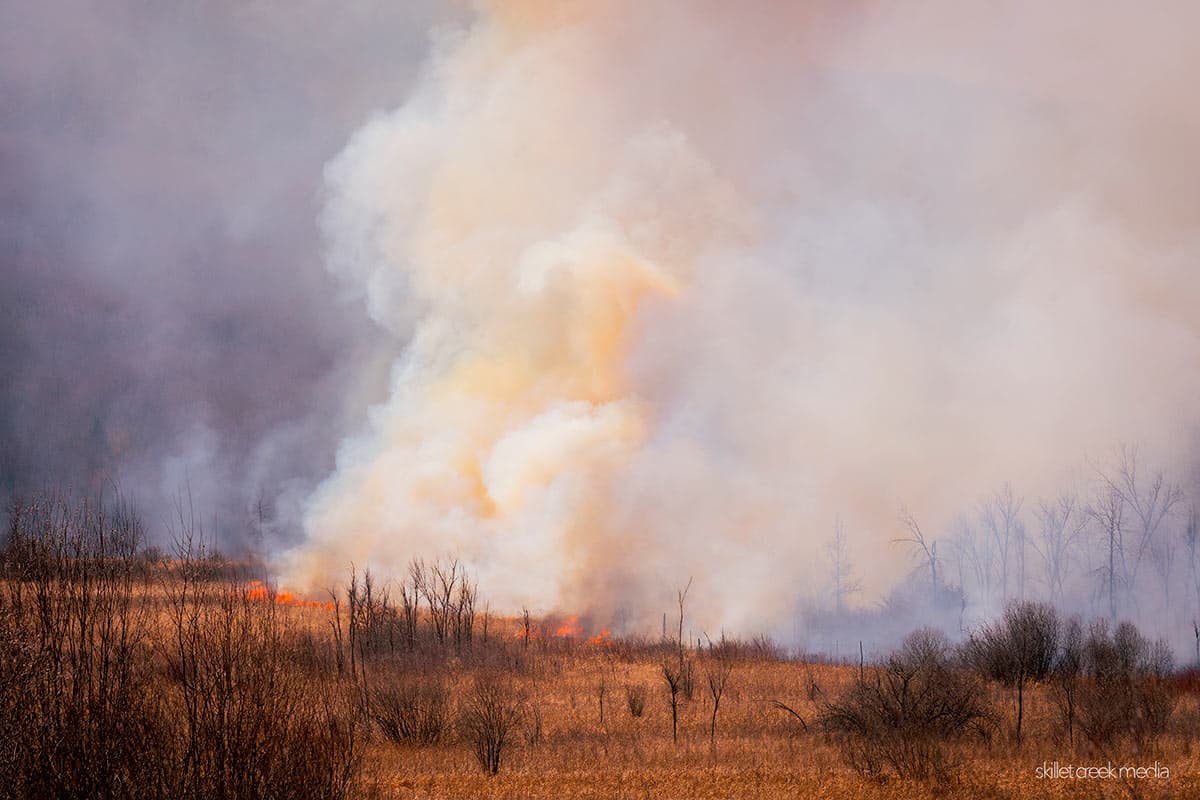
(899, 718)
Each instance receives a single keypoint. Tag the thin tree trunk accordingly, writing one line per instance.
(1020, 706)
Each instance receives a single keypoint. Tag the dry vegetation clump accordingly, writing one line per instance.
(1018, 649)
(251, 720)
(412, 709)
(635, 700)
(108, 697)
(1128, 694)
(490, 717)
(900, 718)
(81, 715)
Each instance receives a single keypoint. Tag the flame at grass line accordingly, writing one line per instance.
(604, 637)
(257, 590)
(678, 284)
(568, 628)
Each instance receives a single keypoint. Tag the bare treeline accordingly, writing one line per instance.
(1108, 549)
(1121, 543)
(435, 608)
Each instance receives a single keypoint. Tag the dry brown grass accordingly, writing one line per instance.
(563, 745)
(760, 751)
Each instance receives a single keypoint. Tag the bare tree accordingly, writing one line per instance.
(673, 676)
(371, 624)
(1191, 539)
(681, 596)
(926, 548)
(1162, 559)
(1107, 510)
(335, 624)
(841, 570)
(1151, 502)
(410, 601)
(717, 669)
(1067, 675)
(975, 558)
(1000, 515)
(685, 663)
(1061, 525)
(463, 611)
(678, 675)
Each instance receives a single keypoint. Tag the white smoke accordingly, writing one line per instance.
(680, 283)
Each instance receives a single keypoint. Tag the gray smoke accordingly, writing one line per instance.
(605, 294)
(165, 319)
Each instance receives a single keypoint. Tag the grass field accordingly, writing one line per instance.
(760, 750)
(131, 677)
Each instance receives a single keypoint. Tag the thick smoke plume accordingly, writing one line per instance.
(654, 290)
(682, 283)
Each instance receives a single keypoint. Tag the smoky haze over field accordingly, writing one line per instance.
(621, 293)
(166, 319)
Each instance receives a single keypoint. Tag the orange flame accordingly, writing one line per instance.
(604, 637)
(570, 628)
(259, 591)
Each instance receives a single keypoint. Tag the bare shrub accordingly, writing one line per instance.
(101, 699)
(253, 725)
(413, 710)
(678, 671)
(489, 720)
(900, 718)
(635, 699)
(762, 648)
(718, 667)
(675, 674)
(1020, 648)
(1067, 676)
(533, 724)
(1127, 693)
